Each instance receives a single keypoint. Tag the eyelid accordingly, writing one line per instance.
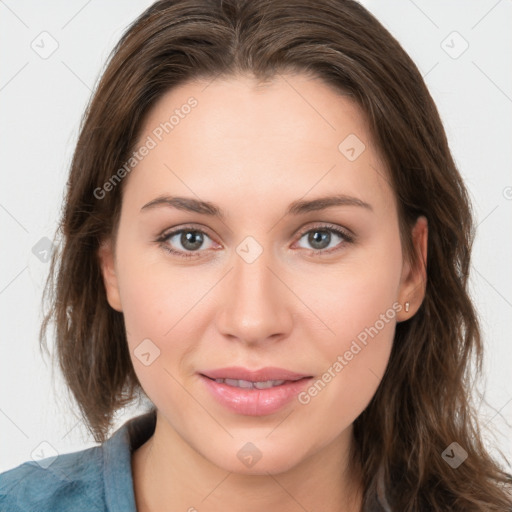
(347, 233)
(327, 226)
(190, 227)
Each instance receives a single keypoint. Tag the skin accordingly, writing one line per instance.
(252, 149)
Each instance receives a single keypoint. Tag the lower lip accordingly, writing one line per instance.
(255, 402)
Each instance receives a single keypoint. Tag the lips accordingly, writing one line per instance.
(254, 393)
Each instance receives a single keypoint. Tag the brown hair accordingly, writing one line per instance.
(423, 402)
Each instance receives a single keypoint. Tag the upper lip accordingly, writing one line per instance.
(261, 375)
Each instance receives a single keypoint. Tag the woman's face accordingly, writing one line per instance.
(272, 272)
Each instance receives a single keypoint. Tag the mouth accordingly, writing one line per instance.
(254, 393)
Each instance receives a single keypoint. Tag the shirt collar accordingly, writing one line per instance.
(117, 468)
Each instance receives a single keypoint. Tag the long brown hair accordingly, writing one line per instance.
(423, 403)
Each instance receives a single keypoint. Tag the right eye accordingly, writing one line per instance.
(187, 240)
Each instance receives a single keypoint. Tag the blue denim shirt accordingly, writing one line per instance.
(97, 479)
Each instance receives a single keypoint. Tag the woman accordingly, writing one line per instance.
(266, 233)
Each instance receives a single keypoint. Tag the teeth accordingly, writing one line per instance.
(247, 384)
(238, 383)
(268, 384)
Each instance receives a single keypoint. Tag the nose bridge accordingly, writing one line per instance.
(255, 306)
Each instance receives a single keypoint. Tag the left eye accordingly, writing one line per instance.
(323, 238)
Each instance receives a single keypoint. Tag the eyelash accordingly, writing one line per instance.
(347, 239)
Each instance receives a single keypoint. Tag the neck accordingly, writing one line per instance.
(169, 474)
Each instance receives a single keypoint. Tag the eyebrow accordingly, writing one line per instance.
(299, 207)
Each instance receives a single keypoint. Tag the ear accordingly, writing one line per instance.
(106, 258)
(414, 275)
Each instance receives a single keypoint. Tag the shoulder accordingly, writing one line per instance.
(96, 479)
(66, 482)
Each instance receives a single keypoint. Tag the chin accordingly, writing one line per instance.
(258, 458)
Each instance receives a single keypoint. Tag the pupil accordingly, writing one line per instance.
(317, 242)
(191, 240)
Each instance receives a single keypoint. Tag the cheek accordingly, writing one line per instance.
(164, 314)
(353, 296)
(355, 361)
(154, 298)
(155, 305)
(154, 295)
(358, 308)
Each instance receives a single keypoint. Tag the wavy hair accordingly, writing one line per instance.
(423, 402)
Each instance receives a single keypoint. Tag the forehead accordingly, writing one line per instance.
(238, 138)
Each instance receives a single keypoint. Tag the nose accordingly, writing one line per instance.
(257, 305)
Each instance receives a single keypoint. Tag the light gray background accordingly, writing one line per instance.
(42, 100)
